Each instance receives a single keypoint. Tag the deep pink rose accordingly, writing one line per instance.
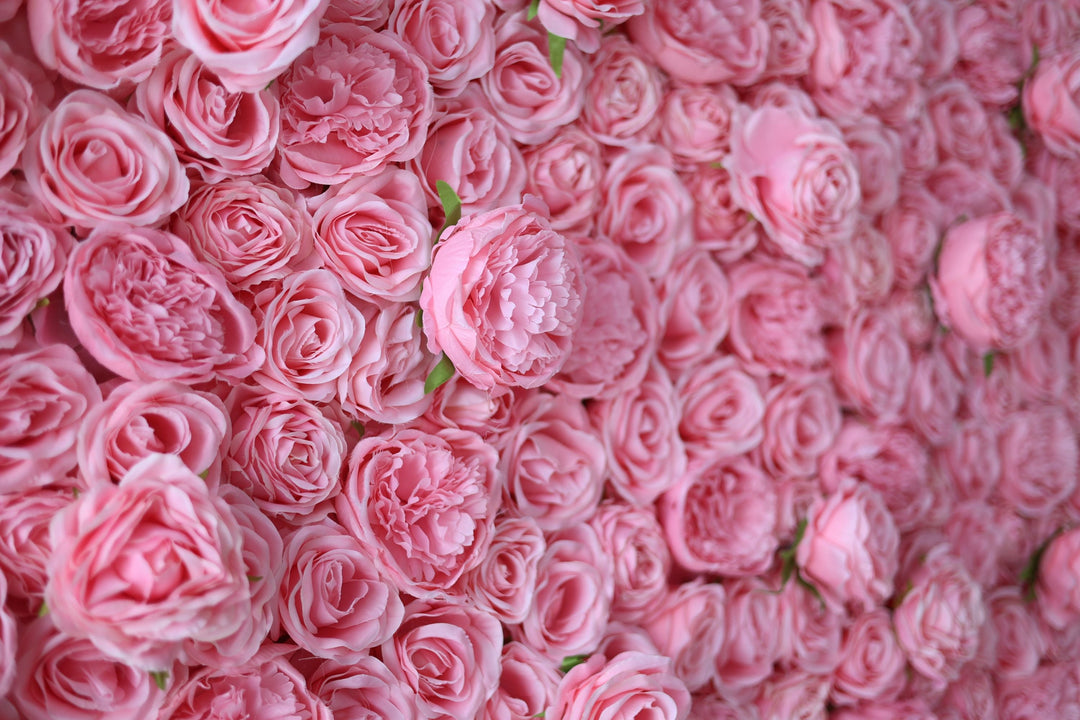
(629, 685)
(933, 397)
(1058, 586)
(251, 230)
(566, 172)
(141, 419)
(871, 364)
(505, 580)
(913, 228)
(992, 58)
(35, 252)
(797, 176)
(527, 684)
(623, 96)
(688, 625)
(44, 395)
(373, 233)
(522, 87)
(24, 544)
(720, 517)
(503, 298)
(1038, 460)
(720, 226)
(351, 105)
(634, 540)
(802, 419)
(722, 409)
(695, 122)
(1019, 641)
(215, 132)
(247, 47)
(752, 640)
(19, 109)
(792, 38)
(872, 664)
(90, 161)
(66, 678)
(877, 156)
(141, 567)
(147, 309)
(583, 21)
(455, 39)
(447, 652)
(695, 302)
(705, 41)
(361, 690)
(423, 504)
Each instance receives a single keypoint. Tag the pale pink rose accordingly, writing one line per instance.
(877, 157)
(91, 161)
(688, 626)
(992, 59)
(940, 46)
(964, 191)
(505, 580)
(470, 150)
(858, 273)
(12, 649)
(1049, 25)
(720, 226)
(1019, 641)
(906, 709)
(1006, 159)
(695, 302)
(447, 652)
(385, 381)
(933, 397)
(645, 208)
(722, 409)
(634, 540)
(141, 419)
(1039, 457)
(144, 307)
(24, 544)
(503, 299)
(794, 695)
(938, 620)
(372, 13)
(566, 172)
(1052, 690)
(777, 321)
(872, 664)
(454, 39)
(373, 233)
(1041, 367)
(630, 684)
(720, 517)
(141, 567)
(705, 41)
(623, 97)
(351, 105)
(871, 364)
(423, 504)
(553, 461)
(621, 637)
(849, 549)
(961, 124)
(574, 591)
(695, 122)
(781, 95)
(44, 394)
(1062, 177)
(583, 21)
(527, 684)
(971, 461)
(914, 312)
(752, 640)
(361, 690)
(19, 109)
(267, 687)
(615, 341)
(216, 132)
(1033, 200)
(66, 678)
(811, 632)
(913, 228)
(992, 281)
(332, 601)
(524, 92)
(971, 697)
(1058, 585)
(1050, 102)
(99, 44)
(35, 252)
(802, 419)
(918, 145)
(249, 48)
(792, 38)
(460, 405)
(714, 707)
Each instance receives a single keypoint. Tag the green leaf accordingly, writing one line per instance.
(43, 610)
(254, 578)
(358, 428)
(556, 50)
(716, 165)
(161, 678)
(988, 363)
(420, 318)
(572, 661)
(1016, 119)
(43, 302)
(534, 8)
(439, 375)
(541, 714)
(205, 473)
(809, 587)
(1030, 573)
(786, 569)
(451, 205)
(800, 531)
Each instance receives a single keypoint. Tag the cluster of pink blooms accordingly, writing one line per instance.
(575, 359)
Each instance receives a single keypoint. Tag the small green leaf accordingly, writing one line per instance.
(358, 428)
(451, 204)
(420, 318)
(541, 714)
(809, 587)
(1030, 573)
(534, 8)
(988, 363)
(439, 375)
(43, 302)
(716, 165)
(786, 569)
(572, 661)
(800, 531)
(75, 492)
(254, 578)
(1016, 119)
(205, 473)
(161, 678)
(43, 610)
(556, 50)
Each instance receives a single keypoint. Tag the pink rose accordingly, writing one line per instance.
(141, 419)
(1050, 102)
(705, 41)
(527, 684)
(938, 620)
(147, 309)
(913, 310)
(583, 21)
(247, 49)
(505, 580)
(373, 233)
(858, 273)
(19, 109)
(455, 39)
(503, 299)
(332, 601)
(361, 689)
(141, 567)
(631, 684)
(372, 13)
(1050, 691)
(992, 59)
(918, 144)
(351, 105)
(792, 38)
(1019, 641)
(933, 397)
(1058, 585)
(566, 172)
(877, 156)
(522, 87)
(802, 419)
(1038, 460)
(913, 228)
(1041, 367)
(722, 409)
(794, 695)
(961, 124)
(720, 226)
(872, 664)
(795, 174)
(66, 678)
(940, 45)
(283, 452)
(35, 252)
(688, 626)
(962, 190)
(992, 281)
(910, 709)
(102, 45)
(871, 364)
(634, 540)
(971, 460)
(1062, 177)
(973, 528)
(752, 641)
(24, 544)
(849, 549)
(215, 132)
(423, 504)
(720, 517)
(447, 652)
(91, 161)
(623, 96)
(457, 404)
(695, 122)
(696, 306)
(44, 394)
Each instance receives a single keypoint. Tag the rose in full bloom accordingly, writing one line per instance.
(992, 57)
(527, 684)
(1038, 460)
(695, 299)
(871, 364)
(872, 664)
(722, 409)
(720, 226)
(792, 39)
(503, 298)
(1058, 586)
(695, 122)
(1020, 641)
(933, 397)
(583, 20)
(19, 109)
(351, 105)
(802, 419)
(623, 96)
(629, 682)
(364, 688)
(634, 540)
(689, 627)
(796, 175)
(1052, 689)
(793, 694)
(91, 161)
(144, 307)
(141, 567)
(752, 637)
(455, 39)
(25, 546)
(35, 252)
(878, 158)
(992, 281)
(505, 580)
(565, 172)
(1051, 101)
